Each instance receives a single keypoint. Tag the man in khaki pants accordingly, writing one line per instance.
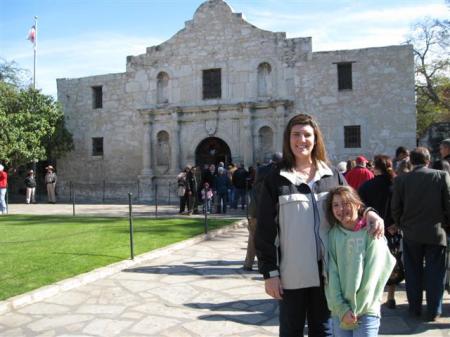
(50, 182)
(261, 173)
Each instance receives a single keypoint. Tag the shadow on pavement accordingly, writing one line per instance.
(207, 268)
(251, 312)
(399, 322)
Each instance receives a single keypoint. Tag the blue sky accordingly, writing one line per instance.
(78, 38)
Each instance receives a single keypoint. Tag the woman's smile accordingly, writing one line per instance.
(302, 141)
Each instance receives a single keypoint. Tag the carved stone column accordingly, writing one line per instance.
(147, 146)
(146, 177)
(246, 135)
(175, 144)
(280, 111)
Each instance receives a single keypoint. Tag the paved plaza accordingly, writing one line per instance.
(194, 289)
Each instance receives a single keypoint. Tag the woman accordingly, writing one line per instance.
(377, 193)
(30, 184)
(3, 187)
(291, 235)
(181, 189)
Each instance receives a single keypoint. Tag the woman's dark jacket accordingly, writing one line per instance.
(377, 193)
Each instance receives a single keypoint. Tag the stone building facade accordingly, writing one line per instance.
(222, 89)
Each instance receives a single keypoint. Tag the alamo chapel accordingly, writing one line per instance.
(222, 89)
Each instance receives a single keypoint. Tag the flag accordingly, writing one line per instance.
(32, 34)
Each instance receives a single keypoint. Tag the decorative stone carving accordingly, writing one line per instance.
(211, 126)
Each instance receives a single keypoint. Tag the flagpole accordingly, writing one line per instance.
(35, 47)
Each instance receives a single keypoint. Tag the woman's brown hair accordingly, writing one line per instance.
(318, 153)
(384, 164)
(347, 193)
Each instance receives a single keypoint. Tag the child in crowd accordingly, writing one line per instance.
(207, 194)
(358, 267)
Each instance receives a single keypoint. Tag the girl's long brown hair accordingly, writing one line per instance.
(347, 193)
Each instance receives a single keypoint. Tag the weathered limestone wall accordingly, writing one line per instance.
(135, 110)
(381, 101)
(117, 122)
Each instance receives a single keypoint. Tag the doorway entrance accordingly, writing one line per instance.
(212, 150)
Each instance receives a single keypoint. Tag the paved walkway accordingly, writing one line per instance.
(106, 210)
(198, 290)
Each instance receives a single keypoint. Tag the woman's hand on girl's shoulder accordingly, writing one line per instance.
(375, 224)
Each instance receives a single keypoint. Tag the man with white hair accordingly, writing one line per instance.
(222, 184)
(3, 186)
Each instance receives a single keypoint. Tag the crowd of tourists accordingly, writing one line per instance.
(30, 187)
(215, 189)
(413, 200)
(328, 240)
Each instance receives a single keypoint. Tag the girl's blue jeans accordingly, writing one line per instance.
(367, 327)
(207, 206)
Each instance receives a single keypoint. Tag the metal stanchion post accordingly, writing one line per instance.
(156, 201)
(70, 190)
(104, 187)
(138, 190)
(205, 210)
(73, 202)
(170, 185)
(130, 218)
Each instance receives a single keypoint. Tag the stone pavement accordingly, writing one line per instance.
(100, 209)
(198, 290)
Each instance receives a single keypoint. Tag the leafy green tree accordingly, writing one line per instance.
(431, 39)
(32, 125)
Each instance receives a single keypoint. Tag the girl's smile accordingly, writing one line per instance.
(345, 212)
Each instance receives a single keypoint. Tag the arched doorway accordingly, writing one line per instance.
(212, 150)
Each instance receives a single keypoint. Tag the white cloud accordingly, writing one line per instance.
(349, 27)
(85, 55)
(270, 20)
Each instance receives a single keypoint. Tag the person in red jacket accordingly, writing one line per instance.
(359, 174)
(3, 185)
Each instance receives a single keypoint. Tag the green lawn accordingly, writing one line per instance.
(40, 250)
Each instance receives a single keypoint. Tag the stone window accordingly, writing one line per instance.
(212, 83)
(97, 146)
(345, 76)
(163, 150)
(97, 97)
(162, 88)
(265, 143)
(352, 136)
(264, 83)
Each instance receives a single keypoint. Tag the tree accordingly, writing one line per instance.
(430, 39)
(32, 124)
(11, 73)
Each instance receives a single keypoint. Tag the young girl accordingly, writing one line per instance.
(359, 266)
(207, 194)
